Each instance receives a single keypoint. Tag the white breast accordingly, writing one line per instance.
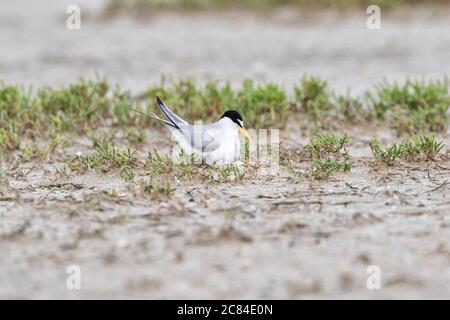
(230, 146)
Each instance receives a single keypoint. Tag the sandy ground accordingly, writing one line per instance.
(268, 236)
(264, 237)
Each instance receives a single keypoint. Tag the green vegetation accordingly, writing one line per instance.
(325, 144)
(410, 107)
(230, 172)
(421, 147)
(185, 168)
(3, 178)
(145, 6)
(261, 105)
(350, 108)
(415, 148)
(156, 189)
(323, 168)
(128, 174)
(182, 168)
(105, 156)
(291, 158)
(36, 123)
(329, 154)
(414, 105)
(326, 154)
(49, 112)
(313, 96)
(387, 155)
(164, 170)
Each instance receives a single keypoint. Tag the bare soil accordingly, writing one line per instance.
(267, 236)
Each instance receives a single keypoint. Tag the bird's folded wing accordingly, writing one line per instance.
(210, 143)
(201, 140)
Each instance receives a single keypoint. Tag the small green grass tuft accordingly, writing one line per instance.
(418, 147)
(350, 108)
(421, 147)
(230, 172)
(322, 107)
(326, 152)
(16, 107)
(128, 174)
(329, 154)
(184, 168)
(413, 106)
(313, 96)
(386, 155)
(105, 156)
(157, 189)
(263, 105)
(326, 143)
(157, 164)
(323, 168)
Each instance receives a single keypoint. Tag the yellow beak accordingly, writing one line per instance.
(245, 133)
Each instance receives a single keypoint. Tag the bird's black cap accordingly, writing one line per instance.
(234, 116)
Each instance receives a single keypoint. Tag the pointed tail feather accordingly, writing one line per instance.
(176, 120)
(155, 117)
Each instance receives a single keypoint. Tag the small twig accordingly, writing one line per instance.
(351, 187)
(438, 187)
(356, 188)
(292, 202)
(263, 196)
(189, 193)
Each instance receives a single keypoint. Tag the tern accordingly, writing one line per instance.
(215, 144)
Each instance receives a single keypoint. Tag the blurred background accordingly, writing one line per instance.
(137, 42)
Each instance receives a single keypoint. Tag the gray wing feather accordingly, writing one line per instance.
(199, 138)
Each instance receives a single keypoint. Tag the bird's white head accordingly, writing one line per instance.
(237, 120)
